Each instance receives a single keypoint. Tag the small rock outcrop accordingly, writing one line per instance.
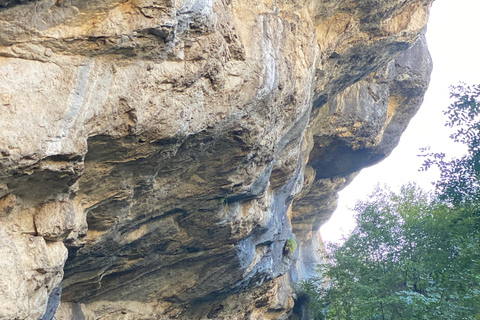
(157, 156)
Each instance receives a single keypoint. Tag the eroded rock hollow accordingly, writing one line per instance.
(157, 155)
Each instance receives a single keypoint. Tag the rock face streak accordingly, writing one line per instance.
(170, 148)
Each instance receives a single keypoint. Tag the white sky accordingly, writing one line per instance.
(455, 49)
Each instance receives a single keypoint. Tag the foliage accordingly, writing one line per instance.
(290, 246)
(310, 294)
(413, 255)
(459, 179)
(409, 257)
(223, 202)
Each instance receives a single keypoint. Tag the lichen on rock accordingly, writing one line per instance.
(173, 147)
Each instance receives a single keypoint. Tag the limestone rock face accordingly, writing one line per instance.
(173, 147)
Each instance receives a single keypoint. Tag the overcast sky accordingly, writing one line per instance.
(453, 41)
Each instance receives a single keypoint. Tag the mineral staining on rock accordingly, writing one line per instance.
(174, 147)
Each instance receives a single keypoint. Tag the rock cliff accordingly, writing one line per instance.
(157, 155)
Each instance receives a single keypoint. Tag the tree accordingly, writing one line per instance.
(459, 180)
(413, 255)
(410, 257)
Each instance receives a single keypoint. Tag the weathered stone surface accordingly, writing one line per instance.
(194, 138)
(358, 128)
(53, 304)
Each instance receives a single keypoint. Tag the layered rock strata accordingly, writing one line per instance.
(170, 149)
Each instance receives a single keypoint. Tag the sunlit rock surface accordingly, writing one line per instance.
(170, 148)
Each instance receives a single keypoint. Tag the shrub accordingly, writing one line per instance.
(290, 246)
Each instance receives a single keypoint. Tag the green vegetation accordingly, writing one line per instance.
(413, 255)
(290, 246)
(410, 257)
(459, 181)
(223, 202)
